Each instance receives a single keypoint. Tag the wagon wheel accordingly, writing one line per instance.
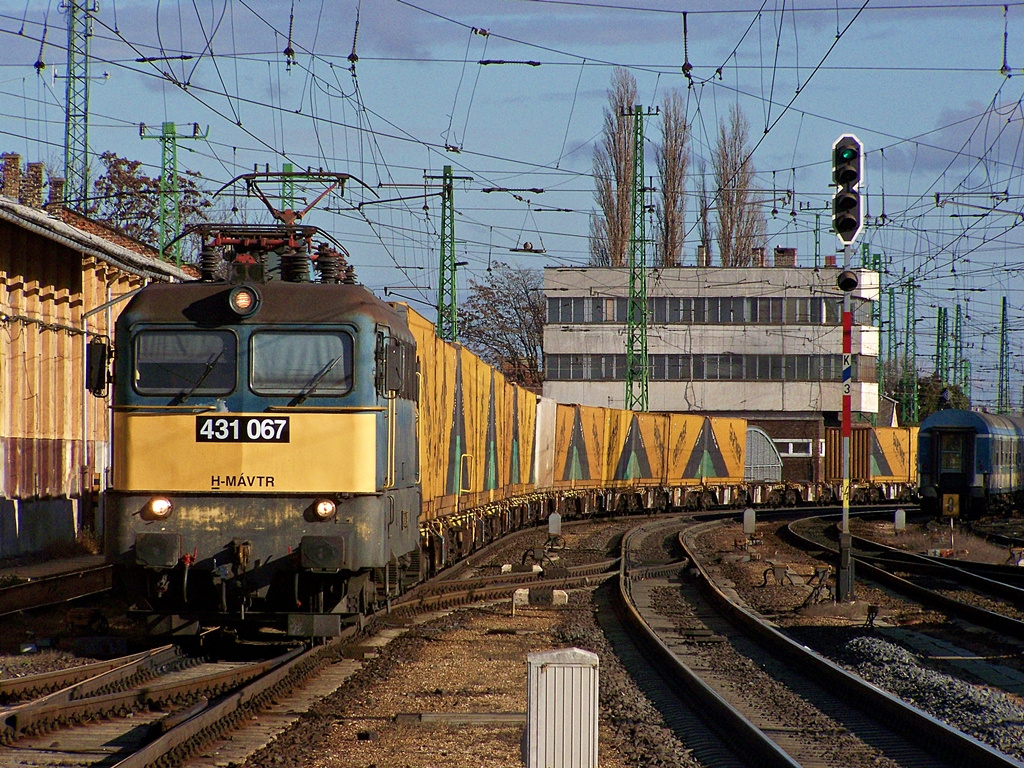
(791, 497)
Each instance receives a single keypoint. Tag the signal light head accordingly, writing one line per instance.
(847, 281)
(846, 161)
(847, 169)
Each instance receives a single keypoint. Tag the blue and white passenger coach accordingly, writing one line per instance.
(970, 464)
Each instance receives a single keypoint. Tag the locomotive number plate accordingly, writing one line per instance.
(242, 429)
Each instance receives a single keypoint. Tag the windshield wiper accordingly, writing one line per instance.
(316, 382)
(209, 367)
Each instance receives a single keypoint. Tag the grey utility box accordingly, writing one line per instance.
(749, 522)
(561, 709)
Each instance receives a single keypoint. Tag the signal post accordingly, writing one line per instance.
(848, 222)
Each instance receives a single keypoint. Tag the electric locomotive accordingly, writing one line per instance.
(970, 464)
(264, 463)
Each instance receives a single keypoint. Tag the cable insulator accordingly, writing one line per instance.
(328, 262)
(210, 259)
(294, 266)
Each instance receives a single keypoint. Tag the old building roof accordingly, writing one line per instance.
(75, 235)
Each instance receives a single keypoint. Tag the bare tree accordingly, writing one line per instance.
(613, 173)
(704, 199)
(502, 320)
(128, 200)
(742, 225)
(673, 161)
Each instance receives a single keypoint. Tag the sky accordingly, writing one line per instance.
(512, 95)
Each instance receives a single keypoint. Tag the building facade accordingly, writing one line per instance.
(764, 343)
(61, 280)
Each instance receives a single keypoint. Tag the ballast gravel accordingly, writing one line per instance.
(990, 716)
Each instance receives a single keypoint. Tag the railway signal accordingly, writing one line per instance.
(847, 172)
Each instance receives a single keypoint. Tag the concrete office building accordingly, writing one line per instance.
(760, 342)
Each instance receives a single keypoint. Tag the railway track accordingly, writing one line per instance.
(989, 596)
(180, 707)
(179, 731)
(153, 700)
(767, 716)
(55, 589)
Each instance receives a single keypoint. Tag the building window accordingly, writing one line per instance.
(579, 367)
(685, 363)
(793, 448)
(714, 310)
(833, 311)
(658, 367)
(563, 310)
(803, 311)
(710, 310)
(700, 311)
(710, 367)
(736, 367)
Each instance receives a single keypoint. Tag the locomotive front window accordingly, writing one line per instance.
(185, 362)
(301, 363)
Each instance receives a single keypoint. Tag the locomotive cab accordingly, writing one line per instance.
(258, 478)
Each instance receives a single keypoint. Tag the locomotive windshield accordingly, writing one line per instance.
(185, 362)
(301, 363)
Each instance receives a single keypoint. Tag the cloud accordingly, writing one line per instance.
(975, 145)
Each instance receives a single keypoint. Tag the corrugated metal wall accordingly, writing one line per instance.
(562, 709)
(860, 454)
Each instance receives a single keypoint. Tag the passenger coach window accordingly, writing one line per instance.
(301, 363)
(185, 362)
(951, 452)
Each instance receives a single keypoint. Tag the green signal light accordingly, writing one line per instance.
(847, 153)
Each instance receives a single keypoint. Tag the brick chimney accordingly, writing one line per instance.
(12, 175)
(703, 260)
(785, 257)
(758, 258)
(55, 200)
(32, 186)
(830, 259)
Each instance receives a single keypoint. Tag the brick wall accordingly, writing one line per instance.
(12, 176)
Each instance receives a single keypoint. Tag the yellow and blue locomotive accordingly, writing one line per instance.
(263, 466)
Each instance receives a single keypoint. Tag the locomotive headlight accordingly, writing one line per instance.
(243, 300)
(157, 508)
(324, 509)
